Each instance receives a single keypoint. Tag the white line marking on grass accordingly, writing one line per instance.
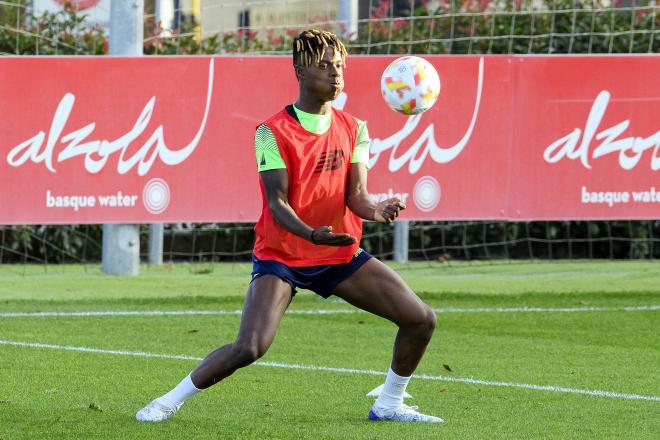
(100, 350)
(121, 313)
(553, 388)
(330, 311)
(549, 309)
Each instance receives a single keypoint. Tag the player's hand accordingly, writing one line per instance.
(325, 236)
(388, 210)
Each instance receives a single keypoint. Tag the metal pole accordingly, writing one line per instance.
(156, 243)
(347, 18)
(401, 231)
(121, 243)
(164, 11)
(121, 250)
(126, 27)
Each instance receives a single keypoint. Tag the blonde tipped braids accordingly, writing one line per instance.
(309, 47)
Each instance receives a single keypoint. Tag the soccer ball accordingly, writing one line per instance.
(410, 85)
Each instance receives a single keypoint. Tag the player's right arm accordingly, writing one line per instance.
(275, 178)
(358, 199)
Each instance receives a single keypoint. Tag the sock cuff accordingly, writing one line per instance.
(396, 376)
(189, 381)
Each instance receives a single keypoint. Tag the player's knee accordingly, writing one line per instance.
(430, 320)
(425, 322)
(249, 352)
(422, 322)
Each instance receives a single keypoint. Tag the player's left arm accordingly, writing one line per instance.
(359, 201)
(357, 196)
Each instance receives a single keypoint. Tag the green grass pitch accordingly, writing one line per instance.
(531, 346)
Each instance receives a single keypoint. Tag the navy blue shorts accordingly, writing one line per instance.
(319, 279)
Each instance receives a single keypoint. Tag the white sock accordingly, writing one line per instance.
(181, 392)
(392, 394)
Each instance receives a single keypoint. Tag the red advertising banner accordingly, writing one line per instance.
(587, 138)
(170, 139)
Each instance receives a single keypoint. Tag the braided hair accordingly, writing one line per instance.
(309, 47)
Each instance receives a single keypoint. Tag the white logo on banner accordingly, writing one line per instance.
(630, 149)
(98, 151)
(426, 193)
(156, 196)
(426, 144)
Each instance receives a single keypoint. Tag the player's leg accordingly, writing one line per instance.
(378, 289)
(265, 303)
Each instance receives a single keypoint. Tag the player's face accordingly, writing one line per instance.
(325, 80)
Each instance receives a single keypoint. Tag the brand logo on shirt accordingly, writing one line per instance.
(330, 161)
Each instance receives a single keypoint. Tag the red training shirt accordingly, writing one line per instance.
(317, 165)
